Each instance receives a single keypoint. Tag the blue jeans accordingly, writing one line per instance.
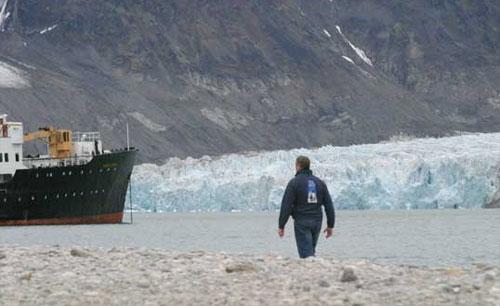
(306, 235)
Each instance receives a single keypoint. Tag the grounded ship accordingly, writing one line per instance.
(77, 182)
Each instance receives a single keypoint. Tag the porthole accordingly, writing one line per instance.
(74, 194)
(100, 170)
(32, 198)
(96, 191)
(81, 172)
(57, 196)
(81, 193)
(45, 197)
(19, 199)
(5, 200)
(103, 191)
(69, 172)
(107, 169)
(37, 175)
(64, 173)
(65, 195)
(114, 169)
(90, 171)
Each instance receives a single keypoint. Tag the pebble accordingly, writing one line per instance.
(143, 284)
(452, 288)
(26, 276)
(489, 276)
(348, 275)
(79, 253)
(241, 267)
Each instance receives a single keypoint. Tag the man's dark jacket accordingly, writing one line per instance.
(295, 201)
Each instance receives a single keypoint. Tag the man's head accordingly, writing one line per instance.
(302, 163)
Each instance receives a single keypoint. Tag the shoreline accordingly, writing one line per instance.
(126, 276)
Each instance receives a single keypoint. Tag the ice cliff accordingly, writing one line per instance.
(461, 171)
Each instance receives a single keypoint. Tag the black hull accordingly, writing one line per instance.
(91, 193)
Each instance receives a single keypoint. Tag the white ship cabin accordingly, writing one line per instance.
(11, 148)
(63, 148)
(87, 143)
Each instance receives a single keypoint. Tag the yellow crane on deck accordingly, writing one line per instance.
(60, 141)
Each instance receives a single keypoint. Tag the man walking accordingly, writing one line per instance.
(304, 196)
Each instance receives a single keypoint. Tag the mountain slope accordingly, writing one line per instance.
(211, 77)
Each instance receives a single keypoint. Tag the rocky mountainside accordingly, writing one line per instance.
(196, 77)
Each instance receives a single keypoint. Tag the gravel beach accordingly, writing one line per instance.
(79, 276)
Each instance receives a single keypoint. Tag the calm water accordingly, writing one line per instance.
(428, 237)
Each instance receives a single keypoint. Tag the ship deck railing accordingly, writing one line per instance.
(78, 160)
(47, 162)
(86, 136)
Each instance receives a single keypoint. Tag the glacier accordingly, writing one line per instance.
(460, 171)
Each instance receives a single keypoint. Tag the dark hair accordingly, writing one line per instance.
(303, 162)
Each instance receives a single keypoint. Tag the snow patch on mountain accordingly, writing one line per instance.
(48, 29)
(226, 119)
(348, 59)
(358, 51)
(17, 62)
(460, 171)
(12, 77)
(148, 123)
(4, 15)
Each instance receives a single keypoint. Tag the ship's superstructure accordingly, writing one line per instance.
(75, 182)
(11, 148)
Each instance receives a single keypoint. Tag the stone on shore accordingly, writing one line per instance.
(26, 276)
(348, 275)
(79, 253)
(241, 267)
